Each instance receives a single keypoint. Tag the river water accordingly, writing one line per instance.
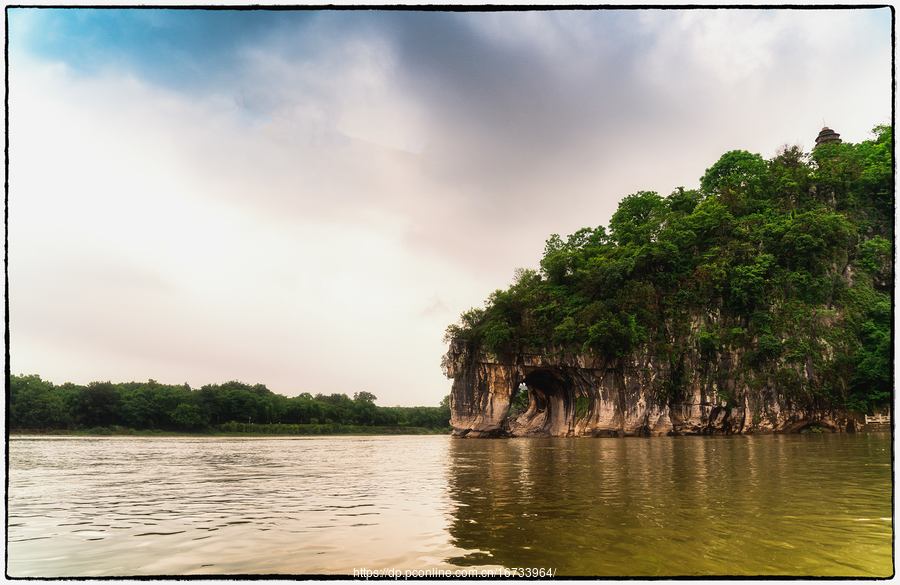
(789, 505)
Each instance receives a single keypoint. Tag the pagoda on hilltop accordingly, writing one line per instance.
(828, 136)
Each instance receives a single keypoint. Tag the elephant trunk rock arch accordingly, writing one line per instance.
(580, 395)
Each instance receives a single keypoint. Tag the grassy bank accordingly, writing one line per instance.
(240, 430)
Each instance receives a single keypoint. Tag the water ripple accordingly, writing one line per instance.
(810, 505)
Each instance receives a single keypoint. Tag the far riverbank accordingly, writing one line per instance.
(239, 430)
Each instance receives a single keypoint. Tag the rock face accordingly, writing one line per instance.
(578, 395)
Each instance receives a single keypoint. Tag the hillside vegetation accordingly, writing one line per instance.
(794, 256)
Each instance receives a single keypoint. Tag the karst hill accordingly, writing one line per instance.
(759, 302)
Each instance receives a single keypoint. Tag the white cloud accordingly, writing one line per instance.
(134, 234)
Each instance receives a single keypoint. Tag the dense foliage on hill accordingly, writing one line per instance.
(38, 404)
(775, 248)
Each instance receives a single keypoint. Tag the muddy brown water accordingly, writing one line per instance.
(786, 505)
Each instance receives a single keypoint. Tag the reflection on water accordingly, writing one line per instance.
(766, 505)
(745, 505)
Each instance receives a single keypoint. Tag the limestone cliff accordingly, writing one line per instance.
(759, 303)
(644, 394)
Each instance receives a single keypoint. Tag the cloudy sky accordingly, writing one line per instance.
(306, 199)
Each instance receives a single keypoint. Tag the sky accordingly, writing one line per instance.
(307, 199)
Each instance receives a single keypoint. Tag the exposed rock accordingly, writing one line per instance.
(574, 394)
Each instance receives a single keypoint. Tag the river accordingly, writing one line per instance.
(775, 505)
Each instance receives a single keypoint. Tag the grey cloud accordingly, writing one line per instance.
(495, 111)
(534, 121)
(503, 110)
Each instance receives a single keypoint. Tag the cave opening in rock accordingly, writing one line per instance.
(551, 402)
(518, 402)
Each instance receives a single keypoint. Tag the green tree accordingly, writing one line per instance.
(99, 404)
(874, 185)
(638, 218)
(364, 397)
(683, 202)
(36, 405)
(736, 168)
(562, 259)
(871, 381)
(137, 411)
(364, 411)
(239, 402)
(209, 399)
(188, 417)
(748, 283)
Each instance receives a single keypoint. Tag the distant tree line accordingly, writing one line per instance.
(39, 404)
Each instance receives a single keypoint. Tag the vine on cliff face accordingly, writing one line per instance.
(771, 248)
